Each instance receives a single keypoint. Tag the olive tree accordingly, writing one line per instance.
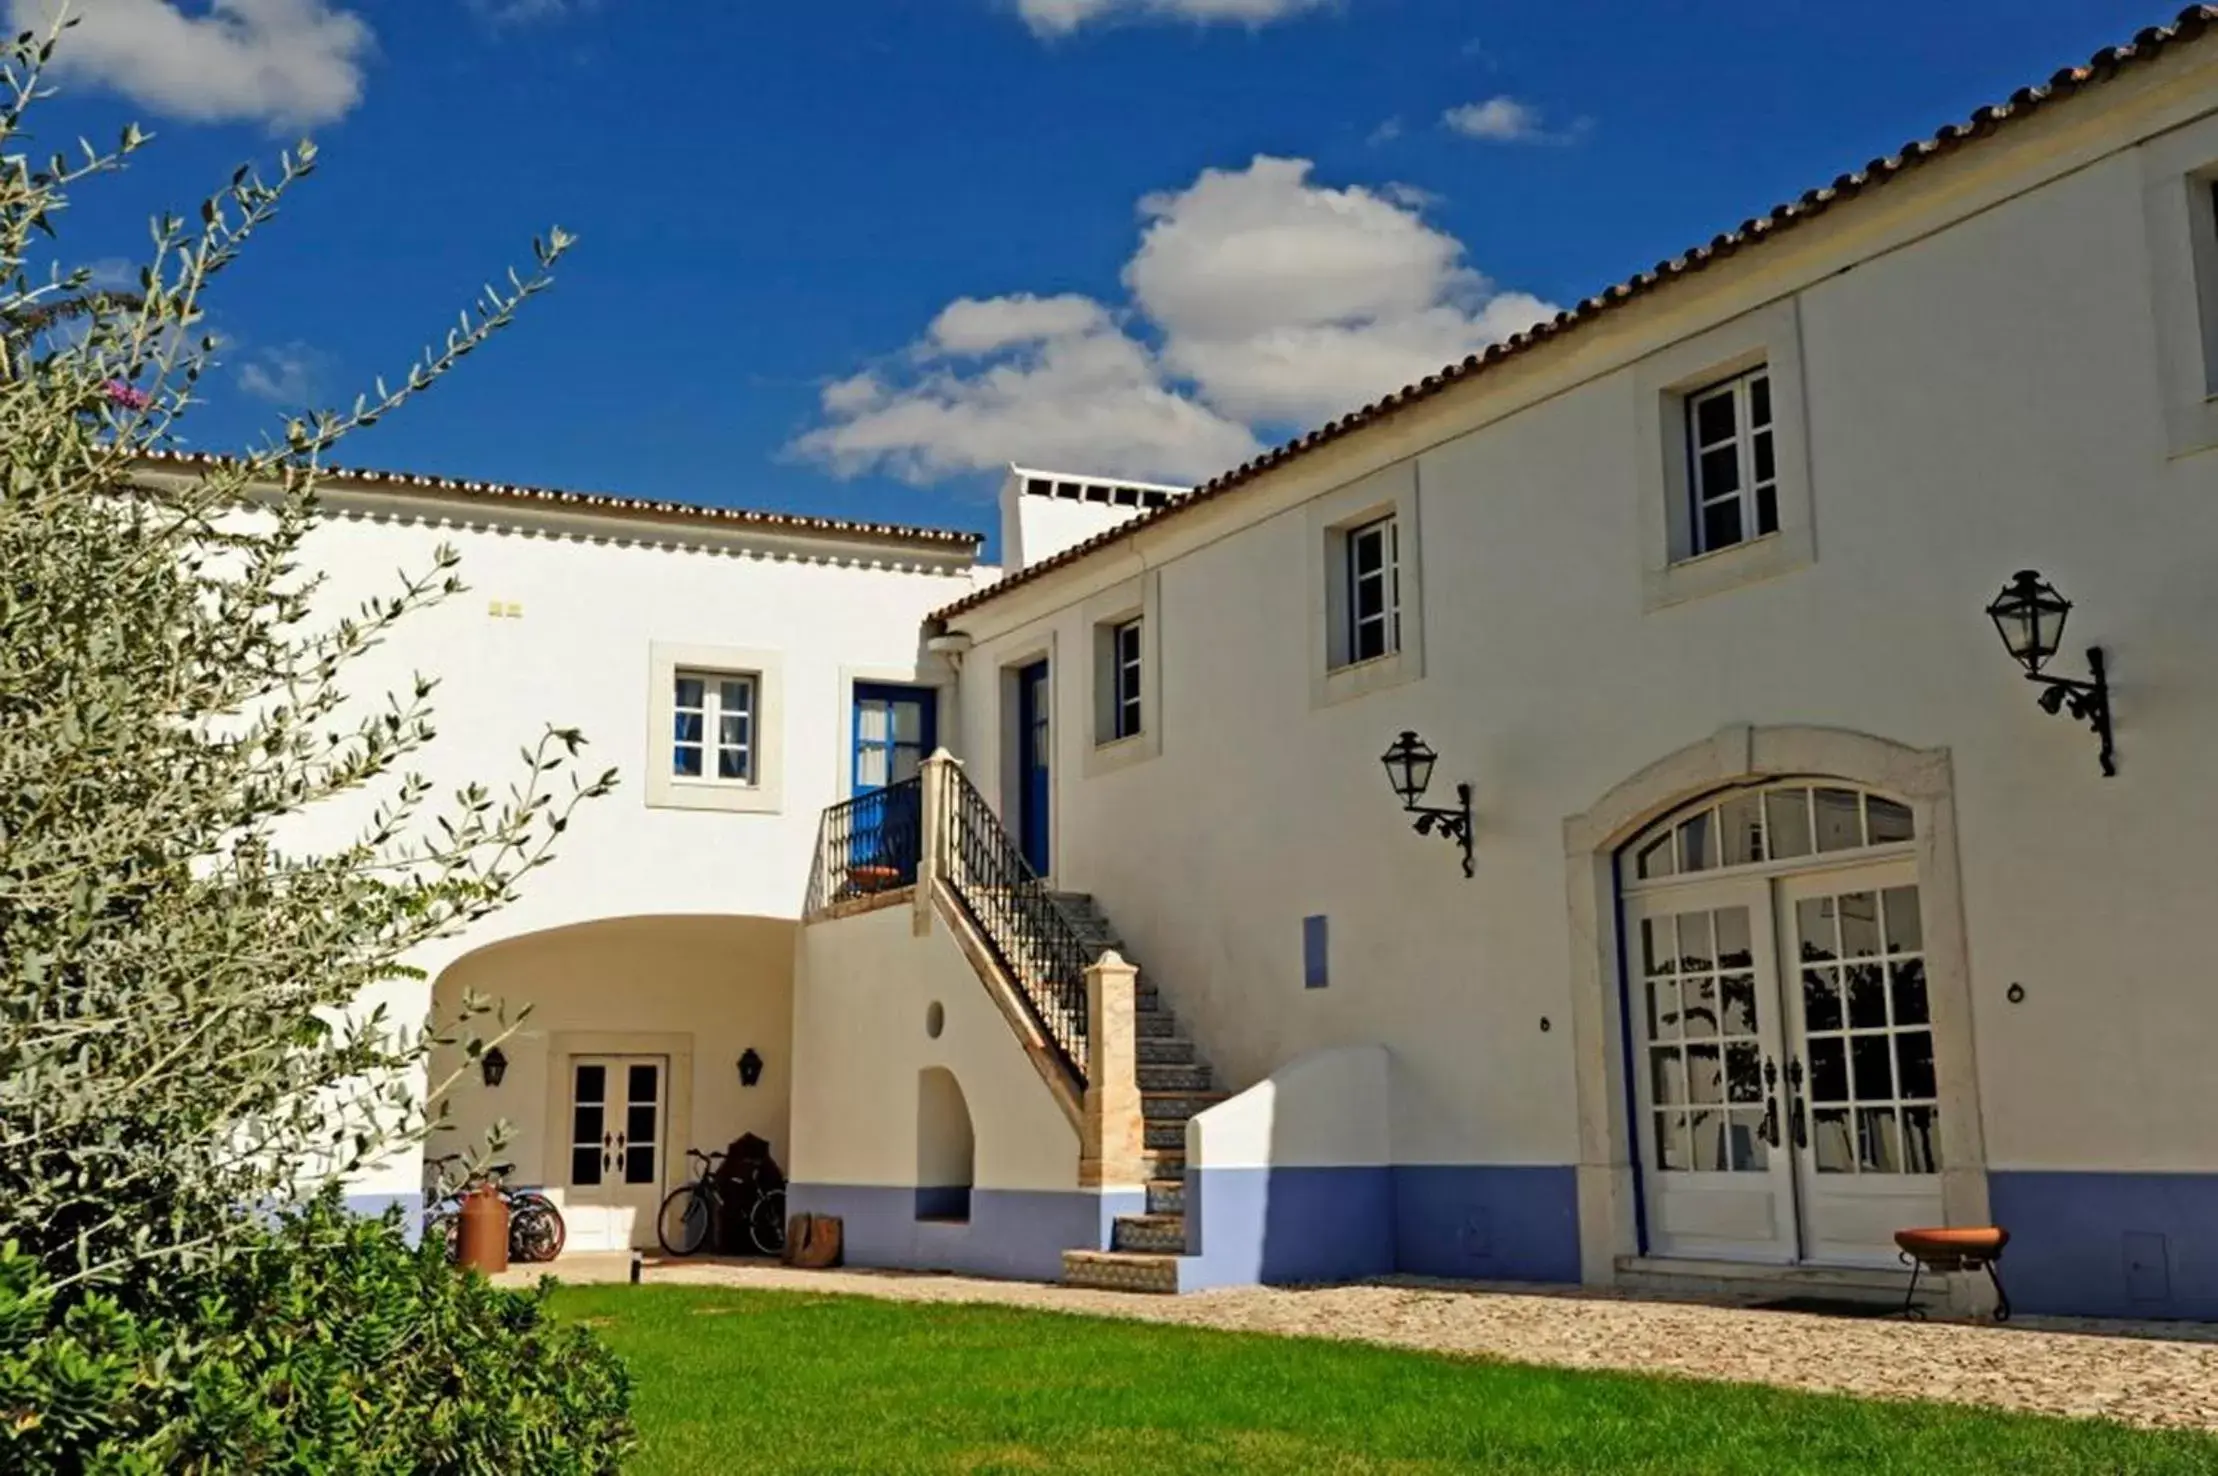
(182, 1047)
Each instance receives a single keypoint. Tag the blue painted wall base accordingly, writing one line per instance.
(1285, 1225)
(1467, 1221)
(2109, 1245)
(1013, 1233)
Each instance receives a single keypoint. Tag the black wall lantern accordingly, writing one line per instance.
(1409, 766)
(2029, 615)
(750, 1067)
(493, 1065)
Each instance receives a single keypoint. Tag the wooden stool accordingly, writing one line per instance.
(1976, 1248)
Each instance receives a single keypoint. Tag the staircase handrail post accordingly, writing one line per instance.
(936, 842)
(1114, 1137)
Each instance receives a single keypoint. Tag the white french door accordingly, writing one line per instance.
(1709, 1074)
(617, 1115)
(1786, 1091)
(1865, 1110)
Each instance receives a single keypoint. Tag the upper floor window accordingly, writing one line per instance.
(1374, 587)
(1734, 470)
(713, 726)
(1124, 653)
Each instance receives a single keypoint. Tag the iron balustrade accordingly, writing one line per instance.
(868, 844)
(1030, 935)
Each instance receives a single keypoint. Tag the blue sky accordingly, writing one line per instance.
(846, 256)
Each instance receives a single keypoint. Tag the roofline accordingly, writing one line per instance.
(2146, 46)
(1029, 473)
(599, 504)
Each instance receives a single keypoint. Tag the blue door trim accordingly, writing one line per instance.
(1035, 735)
(867, 694)
(887, 822)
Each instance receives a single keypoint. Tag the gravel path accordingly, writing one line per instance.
(2148, 1374)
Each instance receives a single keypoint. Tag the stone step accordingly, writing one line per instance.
(1167, 1134)
(1167, 1196)
(1165, 1050)
(1179, 1105)
(1150, 1234)
(1165, 1163)
(1154, 1024)
(1188, 1076)
(1121, 1271)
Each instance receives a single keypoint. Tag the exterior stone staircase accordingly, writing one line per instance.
(1175, 1083)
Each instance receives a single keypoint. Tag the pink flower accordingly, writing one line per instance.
(127, 396)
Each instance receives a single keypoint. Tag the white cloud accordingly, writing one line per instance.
(1054, 381)
(1259, 301)
(1061, 17)
(1385, 133)
(1286, 302)
(1506, 120)
(289, 63)
(288, 375)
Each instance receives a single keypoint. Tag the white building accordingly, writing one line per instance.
(658, 948)
(1793, 920)
(1701, 565)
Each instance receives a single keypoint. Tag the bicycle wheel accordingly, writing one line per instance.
(766, 1222)
(543, 1232)
(686, 1218)
(445, 1231)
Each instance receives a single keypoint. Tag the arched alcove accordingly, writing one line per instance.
(946, 1148)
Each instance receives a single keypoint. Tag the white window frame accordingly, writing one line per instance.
(1133, 603)
(2179, 177)
(1386, 534)
(712, 713)
(763, 791)
(1674, 567)
(1748, 487)
(1336, 521)
(1127, 712)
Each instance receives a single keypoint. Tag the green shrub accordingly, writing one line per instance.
(328, 1346)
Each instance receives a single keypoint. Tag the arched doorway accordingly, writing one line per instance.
(628, 1057)
(946, 1147)
(1630, 1216)
(1785, 1085)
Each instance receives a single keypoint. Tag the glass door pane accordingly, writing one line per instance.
(588, 1121)
(1704, 996)
(642, 1122)
(1865, 1104)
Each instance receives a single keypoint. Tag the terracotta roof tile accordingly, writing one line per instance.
(605, 504)
(2188, 26)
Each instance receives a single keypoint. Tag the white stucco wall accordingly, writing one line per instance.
(1329, 1109)
(1983, 396)
(582, 602)
(862, 991)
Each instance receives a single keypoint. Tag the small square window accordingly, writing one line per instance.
(713, 727)
(1374, 591)
(1125, 716)
(1733, 462)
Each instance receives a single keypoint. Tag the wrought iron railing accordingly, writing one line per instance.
(1029, 934)
(868, 844)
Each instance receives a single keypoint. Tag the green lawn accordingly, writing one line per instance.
(774, 1382)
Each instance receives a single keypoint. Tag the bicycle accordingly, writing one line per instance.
(693, 1210)
(536, 1231)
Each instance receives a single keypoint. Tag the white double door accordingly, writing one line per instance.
(616, 1152)
(1787, 1105)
